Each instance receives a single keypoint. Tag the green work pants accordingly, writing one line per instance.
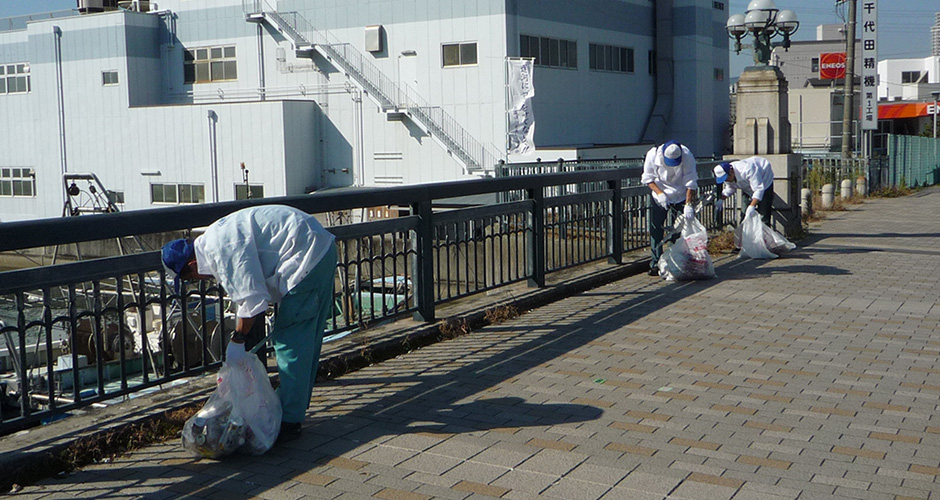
(298, 336)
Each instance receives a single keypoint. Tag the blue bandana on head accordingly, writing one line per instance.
(176, 254)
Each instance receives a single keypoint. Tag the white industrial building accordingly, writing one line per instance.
(165, 103)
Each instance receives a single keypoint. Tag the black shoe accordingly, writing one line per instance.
(289, 432)
(654, 271)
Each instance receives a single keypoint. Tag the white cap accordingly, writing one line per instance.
(672, 153)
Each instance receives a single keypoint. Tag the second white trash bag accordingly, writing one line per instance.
(243, 414)
(759, 241)
(688, 258)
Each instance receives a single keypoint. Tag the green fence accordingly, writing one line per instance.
(913, 161)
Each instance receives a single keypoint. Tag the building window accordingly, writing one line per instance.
(17, 182)
(459, 54)
(611, 58)
(177, 194)
(209, 64)
(117, 197)
(550, 52)
(719, 74)
(252, 191)
(910, 76)
(14, 78)
(718, 5)
(109, 78)
(815, 65)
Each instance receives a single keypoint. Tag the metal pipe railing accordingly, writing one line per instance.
(61, 317)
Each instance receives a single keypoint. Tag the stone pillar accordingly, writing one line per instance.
(861, 186)
(806, 201)
(762, 128)
(846, 190)
(762, 125)
(828, 196)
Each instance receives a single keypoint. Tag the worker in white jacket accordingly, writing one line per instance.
(269, 254)
(754, 176)
(669, 171)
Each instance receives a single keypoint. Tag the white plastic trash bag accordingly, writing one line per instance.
(688, 258)
(758, 240)
(242, 414)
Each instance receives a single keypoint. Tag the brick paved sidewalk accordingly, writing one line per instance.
(815, 375)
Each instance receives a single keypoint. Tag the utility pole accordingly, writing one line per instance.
(848, 90)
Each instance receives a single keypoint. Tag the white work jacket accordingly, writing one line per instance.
(258, 254)
(752, 175)
(674, 181)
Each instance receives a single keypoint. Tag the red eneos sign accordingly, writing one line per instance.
(832, 65)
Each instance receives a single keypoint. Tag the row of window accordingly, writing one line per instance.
(182, 194)
(611, 58)
(210, 64)
(550, 52)
(14, 78)
(22, 182)
(17, 182)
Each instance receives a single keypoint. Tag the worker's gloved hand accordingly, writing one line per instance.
(727, 191)
(720, 204)
(660, 199)
(689, 212)
(750, 210)
(235, 353)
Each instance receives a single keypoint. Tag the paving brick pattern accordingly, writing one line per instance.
(811, 376)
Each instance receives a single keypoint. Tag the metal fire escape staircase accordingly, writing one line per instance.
(476, 157)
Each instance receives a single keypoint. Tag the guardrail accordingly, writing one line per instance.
(18, 23)
(118, 316)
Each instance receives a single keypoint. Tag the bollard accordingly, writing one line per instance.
(861, 186)
(806, 201)
(846, 189)
(828, 196)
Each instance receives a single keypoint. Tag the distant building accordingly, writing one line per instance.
(164, 106)
(935, 36)
(802, 62)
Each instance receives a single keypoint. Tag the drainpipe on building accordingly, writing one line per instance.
(261, 61)
(657, 123)
(60, 94)
(213, 155)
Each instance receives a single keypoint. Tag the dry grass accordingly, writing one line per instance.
(500, 314)
(892, 192)
(102, 447)
(451, 328)
(722, 242)
(116, 443)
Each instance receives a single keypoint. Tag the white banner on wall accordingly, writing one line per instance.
(521, 130)
(869, 93)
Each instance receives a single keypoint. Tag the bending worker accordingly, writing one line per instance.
(669, 171)
(269, 254)
(755, 177)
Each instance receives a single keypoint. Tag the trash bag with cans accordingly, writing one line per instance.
(243, 414)
(758, 240)
(687, 258)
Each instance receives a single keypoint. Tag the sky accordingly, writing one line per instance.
(904, 24)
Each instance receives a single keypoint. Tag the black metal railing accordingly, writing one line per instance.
(95, 331)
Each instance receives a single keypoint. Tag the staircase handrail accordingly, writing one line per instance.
(390, 95)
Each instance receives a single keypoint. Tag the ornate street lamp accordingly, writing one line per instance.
(763, 20)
